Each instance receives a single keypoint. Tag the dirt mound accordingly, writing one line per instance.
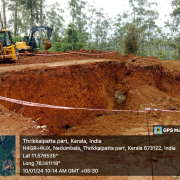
(48, 52)
(113, 55)
(39, 52)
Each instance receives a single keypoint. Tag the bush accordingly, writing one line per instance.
(16, 39)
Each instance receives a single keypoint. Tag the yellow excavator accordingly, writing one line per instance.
(8, 51)
(31, 42)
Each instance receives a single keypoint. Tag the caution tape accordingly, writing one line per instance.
(66, 54)
(59, 54)
(90, 109)
(57, 107)
(9, 55)
(161, 110)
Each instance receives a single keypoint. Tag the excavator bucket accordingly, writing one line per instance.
(47, 44)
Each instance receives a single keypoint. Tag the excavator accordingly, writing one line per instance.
(8, 51)
(31, 42)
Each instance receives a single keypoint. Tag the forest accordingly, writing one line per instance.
(135, 31)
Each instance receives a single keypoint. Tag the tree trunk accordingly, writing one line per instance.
(15, 19)
(4, 13)
(73, 26)
(1, 21)
(41, 19)
(134, 16)
(32, 14)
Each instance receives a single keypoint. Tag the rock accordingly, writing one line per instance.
(133, 59)
(154, 114)
(6, 114)
(155, 159)
(119, 97)
(123, 165)
(44, 127)
(172, 108)
(116, 113)
(38, 127)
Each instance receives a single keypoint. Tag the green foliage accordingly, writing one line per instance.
(131, 40)
(162, 56)
(42, 48)
(95, 30)
(60, 46)
(17, 39)
(54, 16)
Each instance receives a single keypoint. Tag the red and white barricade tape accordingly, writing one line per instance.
(161, 110)
(67, 54)
(57, 107)
(90, 109)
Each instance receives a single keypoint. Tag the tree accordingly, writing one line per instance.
(55, 17)
(144, 15)
(13, 7)
(131, 40)
(120, 24)
(31, 5)
(175, 15)
(75, 7)
(174, 26)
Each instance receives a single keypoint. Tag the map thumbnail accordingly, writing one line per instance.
(7, 155)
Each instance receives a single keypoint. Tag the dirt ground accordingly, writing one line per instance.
(88, 81)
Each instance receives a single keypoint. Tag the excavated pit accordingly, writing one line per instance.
(99, 85)
(83, 86)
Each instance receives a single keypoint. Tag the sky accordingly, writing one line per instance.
(114, 7)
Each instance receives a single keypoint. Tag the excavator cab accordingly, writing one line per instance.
(5, 38)
(35, 41)
(29, 45)
(26, 38)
